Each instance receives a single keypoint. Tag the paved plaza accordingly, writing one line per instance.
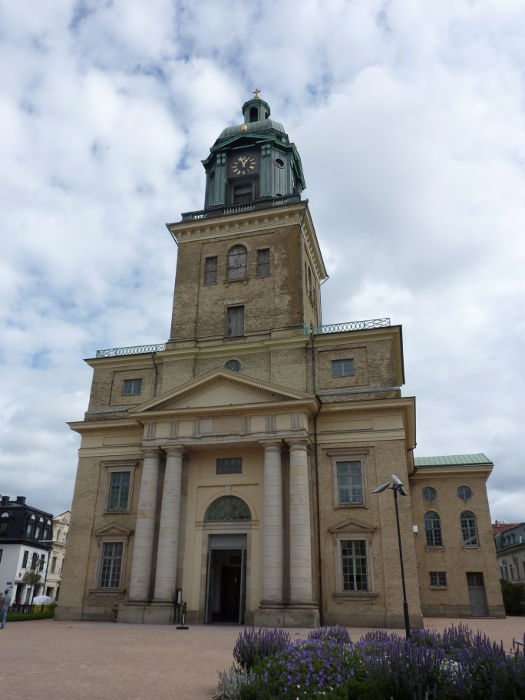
(52, 660)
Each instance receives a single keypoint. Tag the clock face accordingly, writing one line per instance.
(243, 165)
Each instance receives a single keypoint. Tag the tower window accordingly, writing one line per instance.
(235, 321)
(279, 162)
(210, 270)
(343, 368)
(236, 265)
(243, 194)
(254, 114)
(263, 262)
(131, 387)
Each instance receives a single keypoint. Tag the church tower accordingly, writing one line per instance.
(249, 264)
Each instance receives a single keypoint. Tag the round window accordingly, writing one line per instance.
(429, 494)
(465, 493)
(279, 163)
(233, 365)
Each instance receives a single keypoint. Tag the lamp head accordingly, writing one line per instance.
(397, 481)
(381, 488)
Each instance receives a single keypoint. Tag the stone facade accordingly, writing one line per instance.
(234, 468)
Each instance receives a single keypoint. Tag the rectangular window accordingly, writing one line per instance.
(3, 528)
(343, 368)
(42, 562)
(131, 387)
(210, 270)
(242, 194)
(53, 565)
(34, 561)
(234, 321)
(24, 560)
(438, 579)
(353, 559)
(229, 465)
(263, 262)
(119, 490)
(349, 483)
(111, 564)
(1, 552)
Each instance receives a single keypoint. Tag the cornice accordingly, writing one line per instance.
(309, 405)
(404, 403)
(101, 426)
(238, 223)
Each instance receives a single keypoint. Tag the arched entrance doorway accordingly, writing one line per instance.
(226, 569)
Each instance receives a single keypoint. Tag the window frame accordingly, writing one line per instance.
(227, 465)
(439, 576)
(341, 363)
(229, 314)
(131, 383)
(111, 468)
(236, 251)
(464, 498)
(263, 264)
(433, 530)
(110, 535)
(102, 558)
(349, 455)
(210, 271)
(346, 534)
(468, 528)
(425, 491)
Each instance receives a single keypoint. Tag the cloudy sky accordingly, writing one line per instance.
(409, 117)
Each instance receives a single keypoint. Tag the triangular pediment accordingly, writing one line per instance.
(351, 526)
(113, 531)
(219, 389)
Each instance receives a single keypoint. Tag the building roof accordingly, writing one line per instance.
(469, 460)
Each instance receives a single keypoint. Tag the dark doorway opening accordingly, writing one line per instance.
(226, 586)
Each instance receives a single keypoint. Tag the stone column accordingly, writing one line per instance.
(301, 585)
(272, 561)
(145, 527)
(169, 527)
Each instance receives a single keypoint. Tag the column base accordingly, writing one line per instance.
(287, 615)
(138, 612)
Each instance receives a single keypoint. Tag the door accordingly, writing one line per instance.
(476, 591)
(226, 579)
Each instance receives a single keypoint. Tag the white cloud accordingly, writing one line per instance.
(409, 120)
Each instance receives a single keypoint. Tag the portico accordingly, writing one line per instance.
(192, 461)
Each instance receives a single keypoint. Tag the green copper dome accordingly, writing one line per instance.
(253, 163)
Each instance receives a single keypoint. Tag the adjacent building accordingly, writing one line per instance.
(25, 542)
(57, 554)
(233, 466)
(510, 551)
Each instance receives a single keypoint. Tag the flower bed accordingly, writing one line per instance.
(429, 666)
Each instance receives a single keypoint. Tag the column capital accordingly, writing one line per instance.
(151, 450)
(298, 443)
(272, 444)
(177, 449)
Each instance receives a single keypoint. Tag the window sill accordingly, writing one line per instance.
(347, 506)
(117, 511)
(438, 588)
(240, 279)
(470, 546)
(355, 595)
(435, 548)
(106, 591)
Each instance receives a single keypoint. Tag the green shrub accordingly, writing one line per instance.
(513, 598)
(37, 614)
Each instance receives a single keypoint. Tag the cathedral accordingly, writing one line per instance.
(233, 467)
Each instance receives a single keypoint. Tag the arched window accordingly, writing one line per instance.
(469, 529)
(236, 267)
(433, 529)
(233, 365)
(226, 509)
(429, 494)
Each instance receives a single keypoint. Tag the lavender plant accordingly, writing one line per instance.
(254, 645)
(455, 665)
(337, 634)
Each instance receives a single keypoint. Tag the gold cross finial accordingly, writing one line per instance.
(256, 93)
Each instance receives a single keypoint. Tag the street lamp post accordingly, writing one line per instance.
(397, 487)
